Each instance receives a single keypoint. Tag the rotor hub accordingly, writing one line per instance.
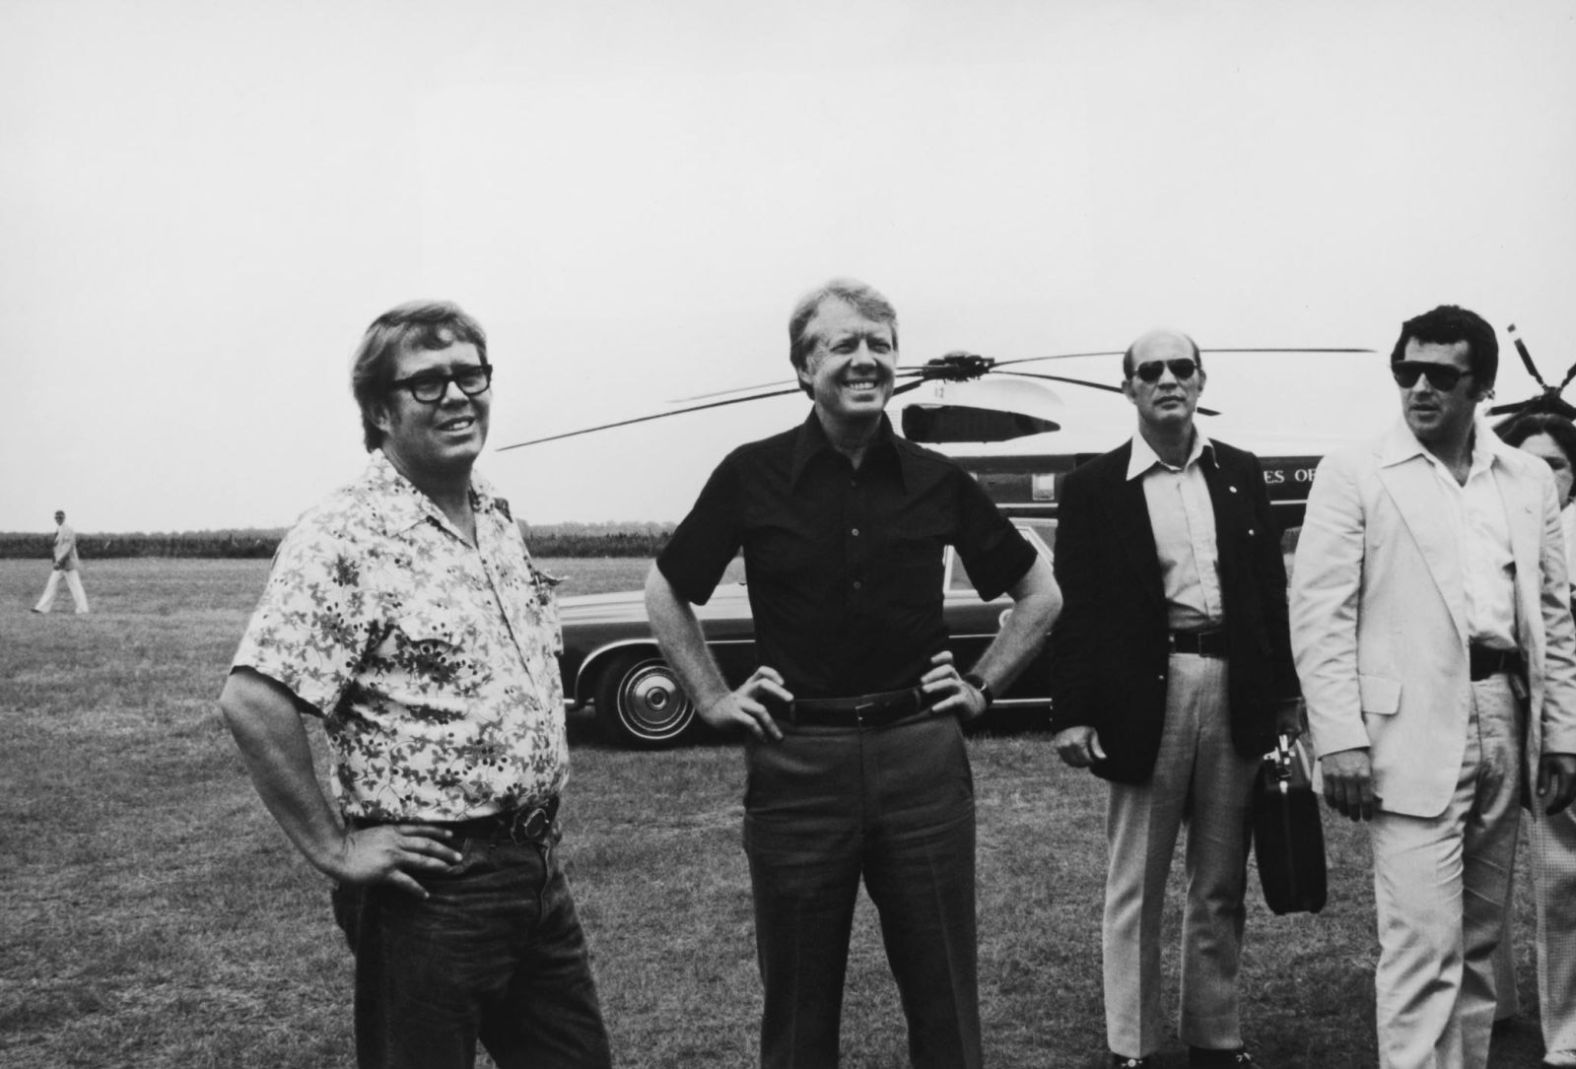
(957, 367)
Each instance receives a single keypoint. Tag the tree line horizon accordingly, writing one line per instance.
(614, 539)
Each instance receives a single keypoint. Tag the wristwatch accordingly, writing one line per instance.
(977, 681)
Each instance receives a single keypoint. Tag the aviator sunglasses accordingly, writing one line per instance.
(1441, 377)
(1182, 369)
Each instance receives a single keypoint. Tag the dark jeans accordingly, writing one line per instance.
(495, 953)
(896, 806)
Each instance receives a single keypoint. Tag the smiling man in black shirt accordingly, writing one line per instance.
(856, 759)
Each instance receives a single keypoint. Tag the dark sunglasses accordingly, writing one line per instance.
(1182, 369)
(1441, 377)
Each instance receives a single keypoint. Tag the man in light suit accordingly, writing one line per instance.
(65, 567)
(1171, 675)
(1432, 628)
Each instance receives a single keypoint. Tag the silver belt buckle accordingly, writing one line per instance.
(530, 826)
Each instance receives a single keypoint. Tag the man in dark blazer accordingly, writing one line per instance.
(1172, 674)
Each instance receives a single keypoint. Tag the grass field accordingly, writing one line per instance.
(155, 917)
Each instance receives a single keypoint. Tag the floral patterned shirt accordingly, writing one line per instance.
(432, 662)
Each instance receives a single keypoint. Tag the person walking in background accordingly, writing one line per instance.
(1432, 626)
(1553, 438)
(856, 760)
(1171, 674)
(406, 614)
(65, 565)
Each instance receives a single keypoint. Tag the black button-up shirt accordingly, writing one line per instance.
(843, 565)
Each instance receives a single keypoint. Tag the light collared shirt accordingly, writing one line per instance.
(433, 662)
(1183, 519)
(1476, 515)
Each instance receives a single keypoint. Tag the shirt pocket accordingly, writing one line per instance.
(434, 646)
(914, 565)
(1380, 695)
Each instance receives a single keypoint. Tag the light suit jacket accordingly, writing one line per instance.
(1378, 615)
(65, 548)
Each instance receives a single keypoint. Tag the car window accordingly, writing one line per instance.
(1041, 534)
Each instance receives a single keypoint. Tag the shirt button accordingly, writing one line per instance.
(858, 585)
(855, 532)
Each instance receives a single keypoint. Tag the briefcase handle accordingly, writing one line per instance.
(1287, 762)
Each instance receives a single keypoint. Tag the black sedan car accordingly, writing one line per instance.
(612, 662)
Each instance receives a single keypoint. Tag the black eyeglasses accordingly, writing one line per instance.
(1441, 377)
(1183, 369)
(429, 387)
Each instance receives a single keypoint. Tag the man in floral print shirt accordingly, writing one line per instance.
(406, 614)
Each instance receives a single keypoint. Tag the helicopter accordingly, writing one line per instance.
(1010, 426)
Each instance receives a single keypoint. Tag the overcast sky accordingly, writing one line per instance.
(202, 205)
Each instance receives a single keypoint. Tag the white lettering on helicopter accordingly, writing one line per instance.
(1277, 476)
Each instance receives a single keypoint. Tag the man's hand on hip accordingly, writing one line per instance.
(1349, 783)
(743, 707)
(947, 690)
(1557, 781)
(388, 853)
(1079, 745)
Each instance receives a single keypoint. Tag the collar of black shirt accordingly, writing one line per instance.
(813, 442)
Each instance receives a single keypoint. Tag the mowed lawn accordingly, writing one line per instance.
(154, 916)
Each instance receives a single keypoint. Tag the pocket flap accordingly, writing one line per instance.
(1381, 695)
(432, 623)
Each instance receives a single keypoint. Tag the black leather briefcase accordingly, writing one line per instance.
(1288, 837)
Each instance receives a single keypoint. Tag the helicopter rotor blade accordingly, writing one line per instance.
(782, 384)
(655, 415)
(1202, 349)
(1281, 349)
(1064, 378)
(1566, 381)
(1054, 356)
(915, 383)
(1526, 357)
(973, 367)
(1092, 385)
(993, 365)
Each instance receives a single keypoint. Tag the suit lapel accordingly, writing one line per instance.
(1130, 525)
(1222, 492)
(1414, 487)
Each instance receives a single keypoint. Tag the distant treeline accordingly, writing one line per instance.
(547, 540)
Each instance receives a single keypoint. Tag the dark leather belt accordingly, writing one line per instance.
(864, 711)
(525, 824)
(1203, 643)
(1485, 662)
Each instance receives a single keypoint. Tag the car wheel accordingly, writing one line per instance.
(639, 702)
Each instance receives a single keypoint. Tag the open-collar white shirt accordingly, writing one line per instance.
(1183, 520)
(1475, 511)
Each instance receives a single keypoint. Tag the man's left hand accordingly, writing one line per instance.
(1288, 718)
(1557, 781)
(949, 694)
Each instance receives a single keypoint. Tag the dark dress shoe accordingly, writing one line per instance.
(1203, 1058)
